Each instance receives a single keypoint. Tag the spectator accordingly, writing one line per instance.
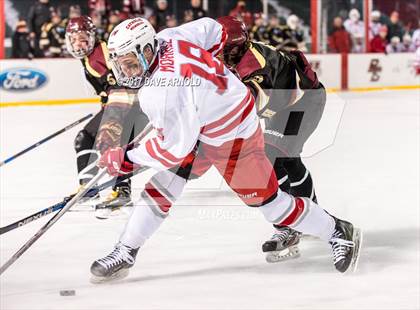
(356, 29)
(394, 46)
(395, 29)
(100, 9)
(375, 23)
(195, 10)
(20, 43)
(417, 61)
(416, 36)
(407, 44)
(188, 16)
(74, 11)
(292, 34)
(339, 40)
(171, 21)
(242, 13)
(379, 42)
(53, 36)
(39, 14)
(134, 8)
(97, 20)
(259, 32)
(114, 20)
(161, 13)
(275, 31)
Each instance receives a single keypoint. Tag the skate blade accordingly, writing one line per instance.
(121, 274)
(358, 240)
(104, 214)
(281, 256)
(86, 205)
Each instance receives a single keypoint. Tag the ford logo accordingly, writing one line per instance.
(22, 79)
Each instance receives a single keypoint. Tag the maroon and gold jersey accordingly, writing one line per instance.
(274, 76)
(116, 100)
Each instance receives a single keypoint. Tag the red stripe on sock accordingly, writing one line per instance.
(297, 211)
(163, 203)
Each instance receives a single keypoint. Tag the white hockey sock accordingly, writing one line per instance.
(301, 214)
(160, 193)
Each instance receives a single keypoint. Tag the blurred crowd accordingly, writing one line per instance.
(42, 32)
(386, 34)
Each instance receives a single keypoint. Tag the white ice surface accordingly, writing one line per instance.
(208, 253)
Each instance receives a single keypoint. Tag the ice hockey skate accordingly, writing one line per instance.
(115, 265)
(87, 202)
(346, 242)
(119, 198)
(283, 245)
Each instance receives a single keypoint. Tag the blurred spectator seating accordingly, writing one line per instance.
(134, 8)
(395, 28)
(293, 37)
(39, 14)
(259, 31)
(240, 11)
(379, 42)
(100, 9)
(375, 23)
(407, 44)
(339, 40)
(53, 36)
(416, 36)
(161, 14)
(356, 28)
(394, 46)
(275, 31)
(20, 43)
(195, 10)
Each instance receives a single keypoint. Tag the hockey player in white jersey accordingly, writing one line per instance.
(217, 111)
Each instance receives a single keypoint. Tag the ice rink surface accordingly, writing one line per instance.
(207, 255)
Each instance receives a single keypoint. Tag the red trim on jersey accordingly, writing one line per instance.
(228, 116)
(152, 153)
(297, 211)
(153, 65)
(163, 203)
(219, 46)
(235, 123)
(166, 154)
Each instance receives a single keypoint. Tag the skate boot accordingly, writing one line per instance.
(346, 242)
(283, 245)
(115, 265)
(118, 198)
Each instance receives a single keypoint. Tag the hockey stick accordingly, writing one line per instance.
(45, 139)
(68, 205)
(60, 205)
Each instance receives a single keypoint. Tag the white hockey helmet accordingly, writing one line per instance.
(126, 45)
(293, 22)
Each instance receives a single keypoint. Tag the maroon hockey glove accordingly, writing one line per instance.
(109, 136)
(116, 162)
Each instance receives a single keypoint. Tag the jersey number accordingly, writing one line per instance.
(218, 78)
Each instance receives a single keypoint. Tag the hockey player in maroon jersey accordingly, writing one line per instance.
(119, 114)
(289, 121)
(218, 112)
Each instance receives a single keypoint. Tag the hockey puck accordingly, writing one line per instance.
(67, 293)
